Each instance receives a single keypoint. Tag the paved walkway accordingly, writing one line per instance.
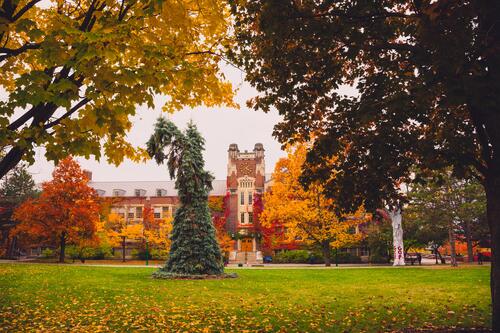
(426, 264)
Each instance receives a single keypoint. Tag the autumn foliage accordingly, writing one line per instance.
(219, 208)
(66, 211)
(306, 214)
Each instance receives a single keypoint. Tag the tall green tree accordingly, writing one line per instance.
(427, 92)
(18, 184)
(74, 72)
(194, 249)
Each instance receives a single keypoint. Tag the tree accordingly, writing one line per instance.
(18, 184)
(378, 239)
(219, 210)
(157, 231)
(66, 211)
(194, 249)
(307, 214)
(118, 231)
(427, 93)
(441, 207)
(75, 71)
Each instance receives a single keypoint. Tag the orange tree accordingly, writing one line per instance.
(307, 214)
(219, 209)
(157, 231)
(66, 211)
(116, 231)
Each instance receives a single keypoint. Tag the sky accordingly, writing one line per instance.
(219, 126)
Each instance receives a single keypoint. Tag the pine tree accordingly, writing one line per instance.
(194, 249)
(18, 185)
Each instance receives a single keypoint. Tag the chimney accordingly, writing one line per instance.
(88, 174)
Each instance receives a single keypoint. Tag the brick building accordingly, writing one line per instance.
(245, 180)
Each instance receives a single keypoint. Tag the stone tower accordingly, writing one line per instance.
(245, 179)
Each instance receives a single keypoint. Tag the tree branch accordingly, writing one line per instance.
(13, 52)
(67, 114)
(343, 14)
(28, 6)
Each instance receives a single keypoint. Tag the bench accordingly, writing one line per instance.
(412, 258)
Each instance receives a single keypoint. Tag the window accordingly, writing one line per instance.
(161, 192)
(250, 198)
(118, 193)
(165, 211)
(157, 212)
(174, 210)
(101, 193)
(120, 211)
(250, 218)
(242, 198)
(138, 212)
(130, 214)
(139, 192)
(242, 218)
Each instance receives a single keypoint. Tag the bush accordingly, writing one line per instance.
(292, 257)
(306, 257)
(346, 258)
(87, 252)
(48, 253)
(72, 252)
(102, 252)
(342, 258)
(154, 254)
(378, 259)
(158, 254)
(315, 258)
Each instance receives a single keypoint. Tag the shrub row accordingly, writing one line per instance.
(312, 257)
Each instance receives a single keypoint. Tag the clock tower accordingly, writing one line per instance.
(245, 180)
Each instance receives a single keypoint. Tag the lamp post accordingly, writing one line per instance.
(147, 253)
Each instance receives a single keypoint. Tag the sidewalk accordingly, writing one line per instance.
(425, 264)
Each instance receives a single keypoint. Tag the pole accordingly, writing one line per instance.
(123, 248)
(147, 253)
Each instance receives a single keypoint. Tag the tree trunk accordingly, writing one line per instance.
(123, 248)
(493, 213)
(9, 161)
(11, 247)
(63, 247)
(443, 261)
(453, 252)
(468, 239)
(327, 253)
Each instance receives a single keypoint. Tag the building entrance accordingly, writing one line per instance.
(247, 245)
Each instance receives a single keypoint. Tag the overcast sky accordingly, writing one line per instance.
(219, 126)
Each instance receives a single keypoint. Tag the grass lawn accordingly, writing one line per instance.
(125, 299)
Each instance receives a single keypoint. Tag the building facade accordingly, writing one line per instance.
(246, 181)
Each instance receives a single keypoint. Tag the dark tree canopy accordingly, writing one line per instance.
(427, 75)
(194, 249)
(426, 72)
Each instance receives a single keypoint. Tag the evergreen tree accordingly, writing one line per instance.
(18, 185)
(194, 249)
